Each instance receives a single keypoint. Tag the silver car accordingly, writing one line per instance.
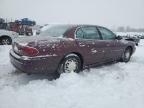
(6, 37)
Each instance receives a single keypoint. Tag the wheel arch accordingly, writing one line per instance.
(75, 53)
(3, 36)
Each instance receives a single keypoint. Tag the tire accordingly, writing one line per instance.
(6, 41)
(126, 55)
(71, 63)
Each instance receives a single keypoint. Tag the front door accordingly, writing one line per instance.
(113, 47)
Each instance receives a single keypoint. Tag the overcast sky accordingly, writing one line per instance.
(109, 13)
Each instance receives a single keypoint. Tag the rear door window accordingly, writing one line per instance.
(88, 33)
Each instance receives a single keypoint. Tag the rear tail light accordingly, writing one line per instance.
(25, 50)
(28, 51)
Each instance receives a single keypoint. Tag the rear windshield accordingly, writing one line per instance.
(55, 30)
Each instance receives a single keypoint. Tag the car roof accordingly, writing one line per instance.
(76, 25)
(82, 25)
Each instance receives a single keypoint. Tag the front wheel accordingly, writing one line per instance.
(126, 55)
(71, 63)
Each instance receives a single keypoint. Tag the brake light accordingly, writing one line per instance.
(28, 51)
(24, 50)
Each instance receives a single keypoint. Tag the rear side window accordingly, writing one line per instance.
(55, 30)
(88, 33)
(106, 34)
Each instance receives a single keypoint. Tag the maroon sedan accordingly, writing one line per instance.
(67, 48)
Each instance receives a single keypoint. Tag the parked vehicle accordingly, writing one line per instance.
(22, 27)
(26, 21)
(67, 48)
(6, 37)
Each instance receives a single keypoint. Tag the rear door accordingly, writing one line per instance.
(113, 47)
(90, 44)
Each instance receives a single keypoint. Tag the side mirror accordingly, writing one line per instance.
(118, 37)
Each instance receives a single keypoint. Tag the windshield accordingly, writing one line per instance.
(55, 30)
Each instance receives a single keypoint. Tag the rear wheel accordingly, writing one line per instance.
(6, 41)
(126, 55)
(71, 63)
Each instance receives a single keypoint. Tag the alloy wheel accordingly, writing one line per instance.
(70, 65)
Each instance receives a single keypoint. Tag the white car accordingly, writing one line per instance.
(6, 37)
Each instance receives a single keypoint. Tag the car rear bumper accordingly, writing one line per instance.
(41, 64)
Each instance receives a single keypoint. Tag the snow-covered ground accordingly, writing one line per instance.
(119, 85)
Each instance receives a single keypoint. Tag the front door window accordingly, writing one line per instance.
(106, 34)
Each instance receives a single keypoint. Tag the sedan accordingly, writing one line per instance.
(69, 48)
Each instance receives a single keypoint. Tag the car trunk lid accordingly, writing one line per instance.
(34, 46)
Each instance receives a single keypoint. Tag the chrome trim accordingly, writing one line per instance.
(76, 31)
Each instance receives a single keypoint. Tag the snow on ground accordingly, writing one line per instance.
(119, 85)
